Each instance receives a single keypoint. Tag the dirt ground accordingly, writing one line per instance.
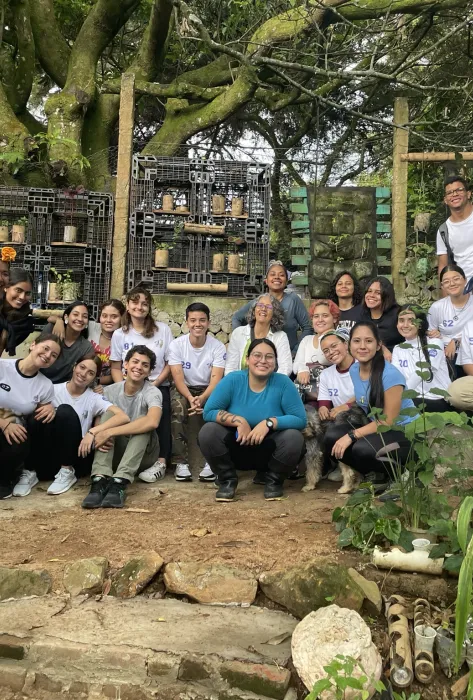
(49, 531)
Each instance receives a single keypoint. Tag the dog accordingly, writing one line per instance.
(314, 434)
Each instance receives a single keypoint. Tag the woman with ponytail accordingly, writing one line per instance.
(412, 324)
(377, 384)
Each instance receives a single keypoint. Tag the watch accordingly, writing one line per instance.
(269, 424)
(352, 436)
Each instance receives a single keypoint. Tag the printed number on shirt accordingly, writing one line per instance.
(186, 365)
(333, 392)
(447, 324)
(403, 363)
(470, 339)
(127, 346)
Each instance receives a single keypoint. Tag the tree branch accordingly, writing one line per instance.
(51, 48)
(178, 88)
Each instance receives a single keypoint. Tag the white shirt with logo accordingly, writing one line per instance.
(335, 386)
(159, 343)
(460, 238)
(87, 406)
(406, 359)
(448, 319)
(197, 363)
(20, 394)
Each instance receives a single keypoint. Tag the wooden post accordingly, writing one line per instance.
(122, 196)
(399, 194)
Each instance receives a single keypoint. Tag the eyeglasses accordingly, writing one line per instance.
(258, 357)
(262, 306)
(452, 281)
(452, 193)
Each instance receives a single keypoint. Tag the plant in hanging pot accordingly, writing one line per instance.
(4, 224)
(161, 254)
(70, 289)
(18, 230)
(54, 285)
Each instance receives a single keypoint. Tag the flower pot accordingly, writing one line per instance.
(233, 263)
(3, 234)
(418, 532)
(237, 206)
(70, 291)
(218, 204)
(424, 637)
(218, 262)
(18, 233)
(70, 234)
(54, 292)
(168, 202)
(161, 258)
(421, 544)
(422, 222)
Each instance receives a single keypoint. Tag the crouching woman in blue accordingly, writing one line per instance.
(254, 417)
(377, 384)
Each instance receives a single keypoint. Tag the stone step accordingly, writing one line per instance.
(143, 649)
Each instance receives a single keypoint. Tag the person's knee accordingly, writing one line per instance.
(461, 393)
(210, 434)
(333, 433)
(65, 412)
(292, 446)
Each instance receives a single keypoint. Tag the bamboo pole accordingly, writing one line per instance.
(434, 157)
(196, 287)
(399, 193)
(122, 196)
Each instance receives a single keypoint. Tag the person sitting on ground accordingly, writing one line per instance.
(23, 391)
(377, 384)
(123, 450)
(295, 314)
(448, 316)
(254, 416)
(75, 344)
(412, 324)
(197, 362)
(265, 320)
(380, 307)
(72, 432)
(345, 292)
(16, 320)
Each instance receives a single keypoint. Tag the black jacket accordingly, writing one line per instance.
(387, 326)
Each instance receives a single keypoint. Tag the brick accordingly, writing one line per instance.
(192, 668)
(111, 691)
(257, 678)
(133, 692)
(44, 682)
(12, 675)
(116, 657)
(12, 647)
(163, 665)
(78, 687)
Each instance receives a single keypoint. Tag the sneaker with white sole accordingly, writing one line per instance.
(335, 475)
(182, 473)
(206, 474)
(25, 483)
(64, 479)
(154, 473)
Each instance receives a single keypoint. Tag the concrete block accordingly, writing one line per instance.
(44, 682)
(12, 647)
(12, 675)
(193, 668)
(163, 665)
(79, 688)
(261, 679)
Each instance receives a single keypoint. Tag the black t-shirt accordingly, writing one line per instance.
(387, 326)
(349, 317)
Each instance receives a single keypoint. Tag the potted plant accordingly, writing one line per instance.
(161, 254)
(4, 230)
(70, 289)
(18, 230)
(54, 285)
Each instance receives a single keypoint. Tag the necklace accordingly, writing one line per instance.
(108, 337)
(457, 311)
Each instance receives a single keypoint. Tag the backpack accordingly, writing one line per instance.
(443, 230)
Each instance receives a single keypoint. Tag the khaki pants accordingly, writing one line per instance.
(461, 394)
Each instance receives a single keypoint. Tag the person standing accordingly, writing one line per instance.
(345, 292)
(455, 235)
(296, 317)
(197, 363)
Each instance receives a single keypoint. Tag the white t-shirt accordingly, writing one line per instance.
(88, 406)
(197, 363)
(21, 394)
(443, 316)
(406, 359)
(159, 343)
(460, 237)
(335, 386)
(465, 351)
(307, 354)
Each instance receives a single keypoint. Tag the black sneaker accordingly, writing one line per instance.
(6, 491)
(273, 488)
(116, 494)
(97, 492)
(226, 490)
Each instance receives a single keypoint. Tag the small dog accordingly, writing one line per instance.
(314, 434)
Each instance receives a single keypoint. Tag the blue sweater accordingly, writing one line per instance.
(279, 399)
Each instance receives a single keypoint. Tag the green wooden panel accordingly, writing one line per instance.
(383, 209)
(300, 259)
(382, 192)
(383, 243)
(300, 225)
(300, 281)
(299, 208)
(383, 227)
(383, 261)
(303, 242)
(298, 191)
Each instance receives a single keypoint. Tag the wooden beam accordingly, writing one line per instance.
(433, 157)
(399, 193)
(122, 195)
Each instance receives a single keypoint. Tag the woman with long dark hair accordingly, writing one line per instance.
(345, 292)
(380, 307)
(377, 384)
(412, 324)
(74, 344)
(16, 320)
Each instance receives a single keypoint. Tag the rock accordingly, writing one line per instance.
(210, 583)
(19, 583)
(369, 588)
(163, 316)
(223, 337)
(135, 575)
(85, 576)
(327, 633)
(175, 329)
(307, 587)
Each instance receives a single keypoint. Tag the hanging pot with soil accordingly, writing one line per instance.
(54, 291)
(161, 257)
(422, 222)
(237, 206)
(233, 263)
(3, 231)
(70, 234)
(18, 231)
(218, 262)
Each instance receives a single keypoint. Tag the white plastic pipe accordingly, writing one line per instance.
(417, 561)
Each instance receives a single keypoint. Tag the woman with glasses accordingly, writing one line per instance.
(265, 320)
(380, 307)
(448, 316)
(254, 416)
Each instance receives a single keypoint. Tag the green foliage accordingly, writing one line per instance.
(463, 606)
(341, 677)
(22, 221)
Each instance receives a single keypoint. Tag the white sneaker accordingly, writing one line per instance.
(182, 473)
(154, 473)
(64, 479)
(206, 474)
(25, 483)
(335, 475)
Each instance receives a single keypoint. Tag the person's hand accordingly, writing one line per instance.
(303, 377)
(340, 446)
(196, 404)
(338, 409)
(434, 333)
(59, 329)
(387, 354)
(103, 437)
(244, 429)
(257, 435)
(107, 446)
(45, 413)
(324, 413)
(15, 433)
(450, 350)
(86, 445)
(98, 389)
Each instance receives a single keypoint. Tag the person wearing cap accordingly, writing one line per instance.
(296, 317)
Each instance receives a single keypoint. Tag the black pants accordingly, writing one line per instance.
(164, 427)
(280, 451)
(361, 455)
(12, 459)
(433, 405)
(56, 444)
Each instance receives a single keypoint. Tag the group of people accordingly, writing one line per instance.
(112, 397)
